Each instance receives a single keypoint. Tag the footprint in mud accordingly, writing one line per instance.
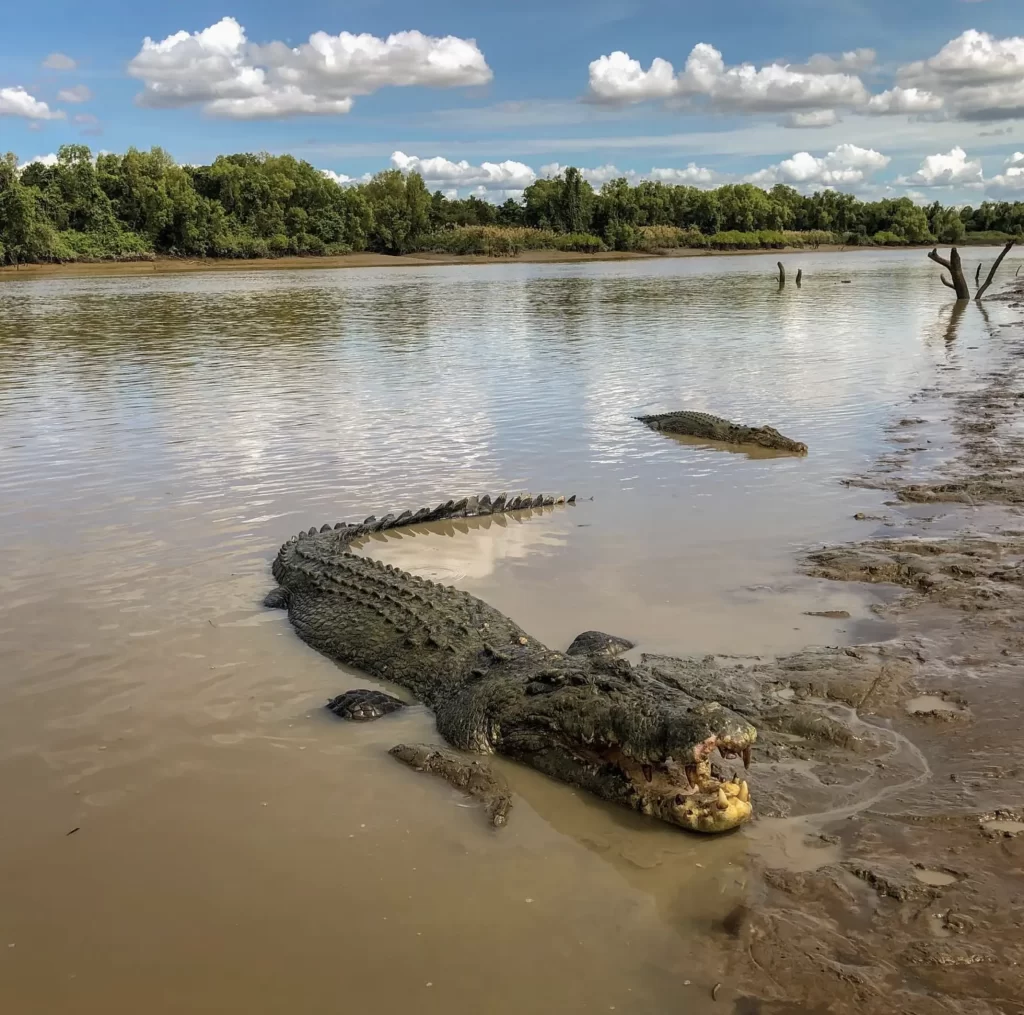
(934, 878)
(937, 706)
(1003, 824)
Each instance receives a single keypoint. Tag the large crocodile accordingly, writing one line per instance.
(585, 718)
(714, 428)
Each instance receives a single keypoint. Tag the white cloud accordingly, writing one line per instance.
(953, 169)
(439, 172)
(692, 176)
(979, 76)
(619, 79)
(59, 61)
(973, 58)
(17, 102)
(346, 181)
(80, 93)
(854, 60)
(497, 181)
(905, 100)
(487, 194)
(221, 70)
(815, 118)
(846, 166)
(46, 160)
(1010, 181)
(976, 76)
(596, 177)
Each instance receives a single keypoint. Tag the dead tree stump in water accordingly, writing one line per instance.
(995, 267)
(956, 270)
(782, 276)
(799, 277)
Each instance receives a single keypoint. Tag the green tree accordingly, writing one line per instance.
(576, 202)
(401, 211)
(25, 234)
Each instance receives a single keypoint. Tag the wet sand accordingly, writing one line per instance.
(920, 909)
(164, 265)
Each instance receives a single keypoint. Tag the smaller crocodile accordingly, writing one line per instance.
(714, 428)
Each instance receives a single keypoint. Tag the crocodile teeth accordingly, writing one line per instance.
(744, 791)
(746, 757)
(723, 800)
(648, 772)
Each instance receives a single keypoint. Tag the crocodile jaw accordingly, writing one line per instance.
(687, 795)
(714, 808)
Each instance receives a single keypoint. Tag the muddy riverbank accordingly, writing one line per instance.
(917, 902)
(175, 265)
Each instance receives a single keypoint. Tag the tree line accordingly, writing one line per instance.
(141, 204)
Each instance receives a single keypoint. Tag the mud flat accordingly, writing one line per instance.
(916, 904)
(171, 265)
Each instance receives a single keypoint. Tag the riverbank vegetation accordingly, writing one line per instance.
(142, 204)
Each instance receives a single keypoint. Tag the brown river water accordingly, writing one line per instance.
(237, 848)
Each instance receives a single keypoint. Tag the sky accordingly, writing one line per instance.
(876, 97)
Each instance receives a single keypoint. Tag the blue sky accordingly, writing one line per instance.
(879, 97)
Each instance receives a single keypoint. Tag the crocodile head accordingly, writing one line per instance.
(769, 437)
(596, 726)
(667, 763)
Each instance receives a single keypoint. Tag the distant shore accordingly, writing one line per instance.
(171, 265)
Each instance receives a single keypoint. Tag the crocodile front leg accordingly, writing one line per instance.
(473, 777)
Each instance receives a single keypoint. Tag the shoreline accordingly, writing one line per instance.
(874, 903)
(163, 265)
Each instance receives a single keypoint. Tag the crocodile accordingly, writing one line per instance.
(703, 424)
(586, 718)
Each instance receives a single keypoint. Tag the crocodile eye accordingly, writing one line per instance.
(680, 800)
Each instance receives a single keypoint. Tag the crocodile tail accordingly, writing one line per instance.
(466, 507)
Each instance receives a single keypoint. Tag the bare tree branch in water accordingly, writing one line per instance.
(995, 268)
(956, 270)
(782, 276)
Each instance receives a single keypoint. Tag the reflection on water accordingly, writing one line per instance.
(239, 851)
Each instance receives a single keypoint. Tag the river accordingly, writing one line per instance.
(236, 848)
